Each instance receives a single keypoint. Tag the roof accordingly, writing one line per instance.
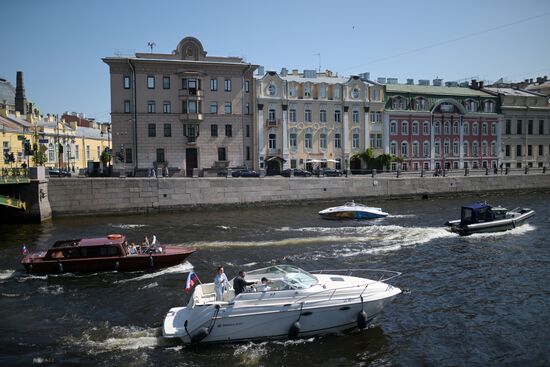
(89, 132)
(19, 121)
(318, 80)
(477, 206)
(429, 89)
(510, 92)
(100, 240)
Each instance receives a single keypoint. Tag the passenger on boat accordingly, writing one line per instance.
(264, 287)
(220, 283)
(239, 284)
(133, 249)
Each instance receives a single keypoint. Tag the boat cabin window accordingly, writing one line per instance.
(283, 277)
(467, 215)
(100, 251)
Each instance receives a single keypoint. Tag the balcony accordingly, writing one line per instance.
(191, 116)
(191, 92)
(272, 122)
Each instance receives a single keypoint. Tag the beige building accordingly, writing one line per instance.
(526, 134)
(181, 111)
(310, 119)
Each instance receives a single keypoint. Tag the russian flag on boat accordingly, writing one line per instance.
(24, 250)
(192, 278)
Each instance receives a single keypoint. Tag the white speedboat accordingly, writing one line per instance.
(298, 304)
(352, 210)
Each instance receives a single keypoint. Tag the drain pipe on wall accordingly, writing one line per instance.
(134, 107)
(243, 127)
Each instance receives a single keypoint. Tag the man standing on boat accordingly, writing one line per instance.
(220, 284)
(239, 284)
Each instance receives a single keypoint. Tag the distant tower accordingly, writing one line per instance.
(20, 104)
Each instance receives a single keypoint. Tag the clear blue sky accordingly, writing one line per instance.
(59, 44)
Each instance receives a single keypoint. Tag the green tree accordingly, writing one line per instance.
(39, 158)
(105, 156)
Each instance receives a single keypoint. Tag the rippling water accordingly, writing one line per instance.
(479, 300)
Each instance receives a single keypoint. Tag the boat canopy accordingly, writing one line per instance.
(475, 213)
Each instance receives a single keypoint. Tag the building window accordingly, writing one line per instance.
(293, 140)
(247, 153)
(307, 115)
(375, 141)
(475, 129)
(375, 117)
(426, 149)
(167, 130)
(227, 85)
(247, 131)
(222, 154)
(292, 91)
(151, 82)
(160, 156)
(447, 128)
(213, 84)
(475, 150)
(337, 116)
(87, 152)
(98, 151)
(307, 91)
(415, 128)
(77, 152)
(246, 86)
(323, 115)
(426, 128)
(293, 163)
(437, 148)
(308, 141)
(323, 140)
(227, 108)
(455, 128)
(355, 116)
(151, 107)
(393, 127)
(271, 89)
(508, 127)
(415, 150)
(152, 129)
(214, 107)
(541, 149)
(530, 127)
(213, 130)
(228, 130)
(322, 92)
(455, 148)
(165, 82)
(272, 141)
(541, 127)
(466, 149)
(529, 150)
(405, 128)
(518, 151)
(493, 129)
(484, 148)
(489, 106)
(126, 82)
(184, 83)
(466, 128)
(375, 95)
(404, 149)
(393, 148)
(336, 92)
(51, 151)
(128, 155)
(493, 148)
(507, 150)
(166, 107)
(484, 129)
(271, 115)
(247, 108)
(292, 115)
(355, 139)
(337, 141)
(127, 108)
(519, 127)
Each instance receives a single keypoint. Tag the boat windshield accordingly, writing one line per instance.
(284, 277)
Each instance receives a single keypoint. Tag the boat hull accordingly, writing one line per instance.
(230, 323)
(352, 215)
(492, 226)
(172, 255)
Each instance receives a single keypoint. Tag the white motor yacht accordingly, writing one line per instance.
(352, 210)
(296, 304)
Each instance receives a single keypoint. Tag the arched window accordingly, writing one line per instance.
(447, 147)
(466, 128)
(404, 128)
(426, 129)
(447, 128)
(393, 127)
(355, 139)
(456, 147)
(272, 141)
(415, 149)
(493, 148)
(293, 140)
(355, 116)
(493, 129)
(475, 128)
(437, 128)
(51, 153)
(455, 128)
(393, 148)
(484, 129)
(437, 148)
(338, 139)
(404, 149)
(475, 149)
(415, 128)
(466, 149)
(484, 148)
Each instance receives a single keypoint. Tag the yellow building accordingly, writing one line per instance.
(14, 135)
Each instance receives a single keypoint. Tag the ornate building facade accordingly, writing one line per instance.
(310, 119)
(184, 111)
(436, 127)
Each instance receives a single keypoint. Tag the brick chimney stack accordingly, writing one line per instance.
(20, 104)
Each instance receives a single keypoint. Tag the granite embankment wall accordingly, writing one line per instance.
(81, 196)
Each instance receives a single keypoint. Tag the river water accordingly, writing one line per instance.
(478, 300)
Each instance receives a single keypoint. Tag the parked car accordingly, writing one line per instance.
(244, 173)
(54, 172)
(331, 172)
(297, 172)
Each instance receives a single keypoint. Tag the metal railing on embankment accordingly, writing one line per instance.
(14, 176)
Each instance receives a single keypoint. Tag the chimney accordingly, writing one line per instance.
(20, 105)
(474, 84)
(481, 85)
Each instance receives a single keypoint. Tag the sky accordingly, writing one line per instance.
(58, 44)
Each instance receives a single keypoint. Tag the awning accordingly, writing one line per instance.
(275, 158)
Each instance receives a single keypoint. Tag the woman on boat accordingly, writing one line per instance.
(220, 283)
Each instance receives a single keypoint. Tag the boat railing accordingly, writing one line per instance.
(385, 275)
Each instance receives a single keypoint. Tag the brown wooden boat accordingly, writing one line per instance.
(91, 255)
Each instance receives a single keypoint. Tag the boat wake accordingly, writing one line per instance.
(6, 274)
(118, 338)
(283, 242)
(483, 237)
(177, 269)
(128, 226)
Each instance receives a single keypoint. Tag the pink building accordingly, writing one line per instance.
(436, 127)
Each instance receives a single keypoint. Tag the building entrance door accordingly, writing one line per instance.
(191, 161)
